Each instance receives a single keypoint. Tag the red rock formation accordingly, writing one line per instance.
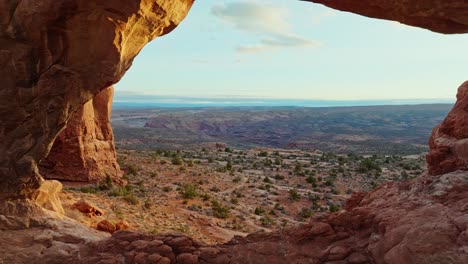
(437, 15)
(449, 140)
(85, 150)
(54, 57)
(106, 226)
(423, 221)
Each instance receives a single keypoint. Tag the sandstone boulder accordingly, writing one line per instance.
(106, 226)
(87, 209)
(47, 196)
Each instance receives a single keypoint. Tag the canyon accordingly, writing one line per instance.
(57, 56)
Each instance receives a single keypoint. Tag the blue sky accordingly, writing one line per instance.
(295, 50)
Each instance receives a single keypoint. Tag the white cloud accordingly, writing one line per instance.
(269, 22)
(278, 42)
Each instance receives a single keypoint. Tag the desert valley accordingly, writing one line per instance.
(81, 182)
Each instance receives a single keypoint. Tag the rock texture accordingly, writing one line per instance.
(423, 221)
(54, 57)
(85, 151)
(437, 15)
(449, 140)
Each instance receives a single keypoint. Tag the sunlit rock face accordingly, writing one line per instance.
(449, 140)
(54, 57)
(437, 15)
(85, 151)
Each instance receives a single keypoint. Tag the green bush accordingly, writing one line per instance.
(177, 160)
(267, 221)
(259, 211)
(132, 199)
(219, 210)
(118, 191)
(89, 189)
(294, 195)
(334, 208)
(305, 213)
(188, 191)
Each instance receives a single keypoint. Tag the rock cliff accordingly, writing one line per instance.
(85, 151)
(449, 140)
(437, 15)
(54, 57)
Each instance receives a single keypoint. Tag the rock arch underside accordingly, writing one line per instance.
(58, 61)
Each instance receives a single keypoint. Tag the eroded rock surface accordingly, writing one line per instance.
(449, 140)
(54, 57)
(423, 221)
(437, 15)
(85, 150)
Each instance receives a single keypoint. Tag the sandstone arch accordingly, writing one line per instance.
(54, 57)
(57, 55)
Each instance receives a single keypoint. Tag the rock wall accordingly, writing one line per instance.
(449, 140)
(437, 15)
(85, 151)
(54, 57)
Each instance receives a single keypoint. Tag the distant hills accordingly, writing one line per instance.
(401, 129)
(127, 101)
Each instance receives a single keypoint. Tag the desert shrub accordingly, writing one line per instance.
(267, 221)
(259, 211)
(367, 165)
(305, 213)
(237, 179)
(294, 195)
(177, 160)
(229, 165)
(132, 199)
(118, 191)
(188, 191)
(310, 179)
(206, 197)
(334, 208)
(267, 180)
(107, 184)
(148, 204)
(219, 210)
(132, 169)
(215, 189)
(279, 177)
(89, 189)
(234, 201)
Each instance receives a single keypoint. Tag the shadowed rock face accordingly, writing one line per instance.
(449, 140)
(437, 15)
(85, 151)
(54, 57)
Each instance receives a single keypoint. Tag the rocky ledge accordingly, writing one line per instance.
(420, 221)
